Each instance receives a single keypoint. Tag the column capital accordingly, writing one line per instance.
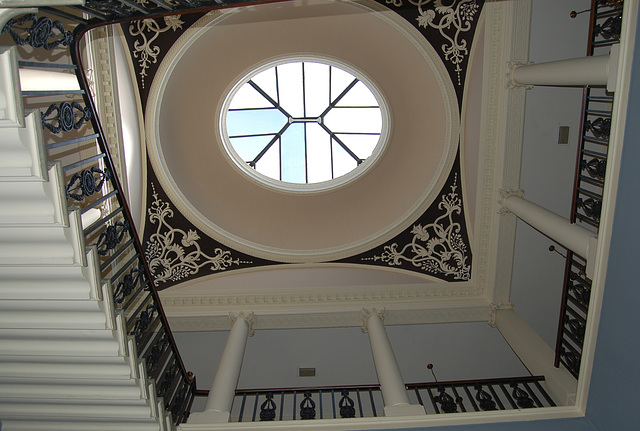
(493, 309)
(368, 312)
(513, 65)
(503, 194)
(247, 317)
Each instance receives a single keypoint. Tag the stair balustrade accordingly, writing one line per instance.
(606, 20)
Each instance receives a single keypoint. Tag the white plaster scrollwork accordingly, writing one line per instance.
(511, 67)
(452, 21)
(437, 248)
(504, 194)
(148, 31)
(248, 317)
(174, 254)
(368, 312)
(493, 308)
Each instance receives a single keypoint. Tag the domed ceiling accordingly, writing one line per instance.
(406, 213)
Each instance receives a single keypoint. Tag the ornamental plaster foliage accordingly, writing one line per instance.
(368, 312)
(148, 30)
(452, 19)
(437, 248)
(170, 260)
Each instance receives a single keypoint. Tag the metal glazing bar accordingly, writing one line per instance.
(99, 201)
(83, 162)
(266, 96)
(544, 394)
(433, 401)
(50, 93)
(496, 397)
(373, 403)
(244, 400)
(532, 395)
(255, 407)
(72, 141)
(63, 14)
(115, 255)
(471, 399)
(508, 396)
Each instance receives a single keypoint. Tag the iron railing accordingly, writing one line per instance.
(343, 402)
(606, 20)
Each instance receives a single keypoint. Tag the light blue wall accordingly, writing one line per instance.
(615, 384)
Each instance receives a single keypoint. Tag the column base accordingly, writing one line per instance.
(404, 410)
(209, 417)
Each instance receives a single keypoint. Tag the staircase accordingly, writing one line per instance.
(68, 350)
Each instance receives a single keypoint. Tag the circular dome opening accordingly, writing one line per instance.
(304, 124)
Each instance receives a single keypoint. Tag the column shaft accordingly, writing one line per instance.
(576, 71)
(576, 238)
(389, 377)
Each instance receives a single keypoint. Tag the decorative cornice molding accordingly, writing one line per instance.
(247, 317)
(475, 311)
(368, 312)
(493, 308)
(504, 194)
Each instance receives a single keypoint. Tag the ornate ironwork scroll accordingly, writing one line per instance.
(268, 408)
(127, 285)
(41, 33)
(446, 401)
(111, 237)
(522, 397)
(86, 183)
(144, 320)
(68, 115)
(485, 400)
(346, 404)
(307, 407)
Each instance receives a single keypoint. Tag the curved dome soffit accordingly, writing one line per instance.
(184, 146)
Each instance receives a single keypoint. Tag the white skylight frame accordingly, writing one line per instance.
(322, 186)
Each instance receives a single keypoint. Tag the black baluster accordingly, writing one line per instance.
(484, 399)
(346, 404)
(307, 407)
(268, 408)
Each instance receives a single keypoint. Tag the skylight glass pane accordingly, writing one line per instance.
(267, 82)
(318, 154)
(343, 163)
(316, 88)
(248, 97)
(290, 84)
(339, 81)
(269, 164)
(359, 95)
(254, 122)
(361, 145)
(293, 155)
(354, 120)
(249, 148)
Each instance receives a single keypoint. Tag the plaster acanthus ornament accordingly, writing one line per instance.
(493, 308)
(368, 312)
(149, 30)
(247, 317)
(504, 194)
(451, 21)
(170, 260)
(438, 247)
(511, 67)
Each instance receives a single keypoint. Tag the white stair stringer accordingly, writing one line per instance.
(66, 361)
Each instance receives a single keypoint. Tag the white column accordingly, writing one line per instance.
(220, 400)
(576, 238)
(536, 355)
(394, 393)
(594, 70)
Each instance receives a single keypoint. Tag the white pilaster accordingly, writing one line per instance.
(594, 70)
(536, 355)
(220, 400)
(394, 393)
(576, 238)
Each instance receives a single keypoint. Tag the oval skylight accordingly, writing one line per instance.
(304, 122)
